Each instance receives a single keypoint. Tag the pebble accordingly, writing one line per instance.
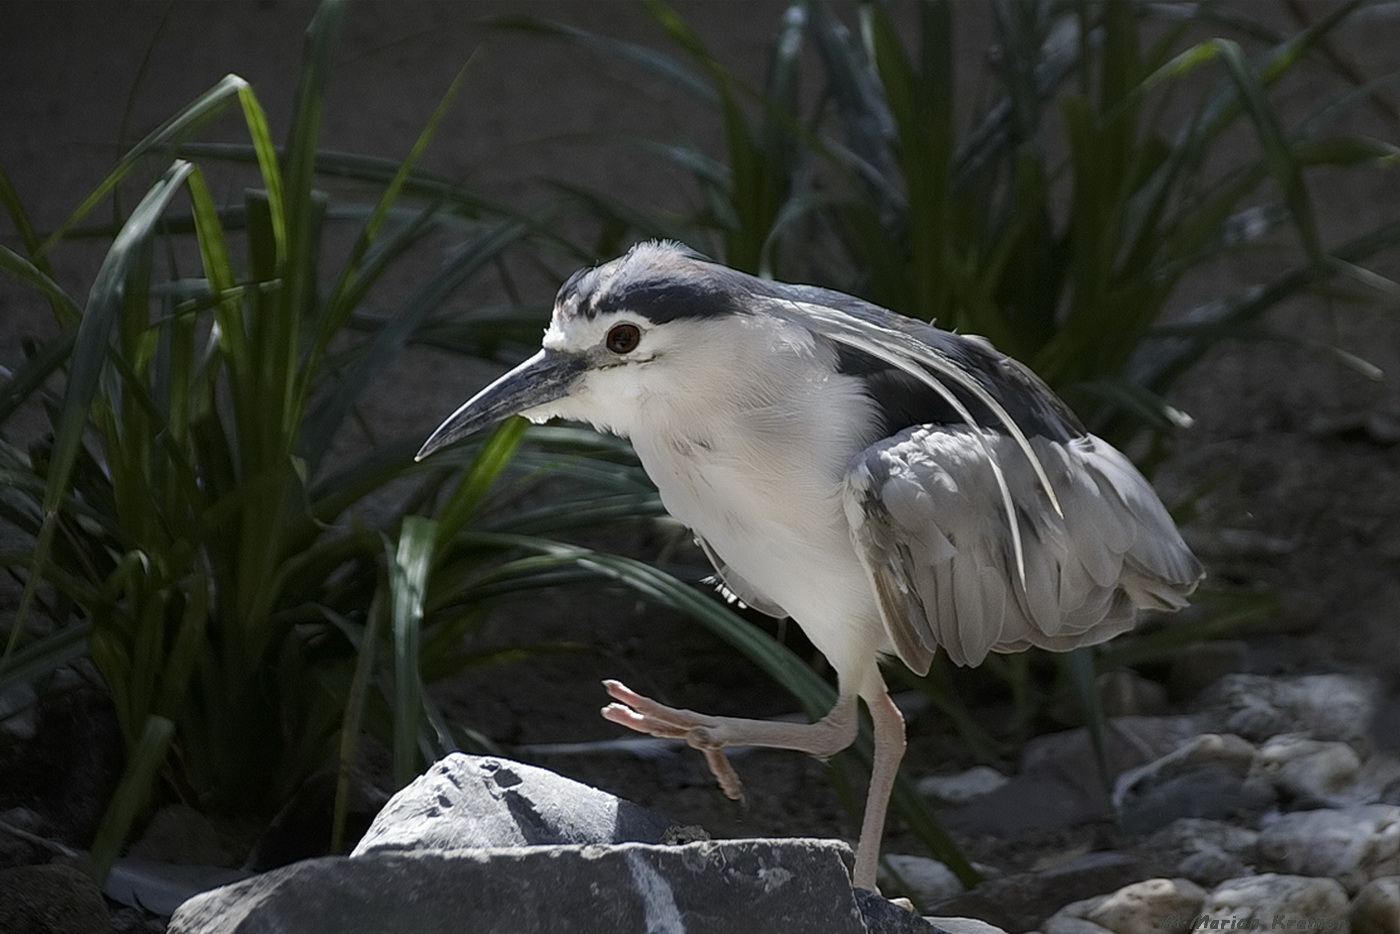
(1208, 851)
(1334, 706)
(925, 880)
(1352, 845)
(962, 787)
(1141, 908)
(1271, 898)
(1376, 909)
(1309, 771)
(1204, 777)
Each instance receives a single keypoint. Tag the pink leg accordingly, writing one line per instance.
(889, 750)
(710, 735)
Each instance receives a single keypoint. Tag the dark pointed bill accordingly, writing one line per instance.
(543, 378)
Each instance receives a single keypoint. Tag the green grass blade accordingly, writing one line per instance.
(265, 152)
(100, 319)
(353, 722)
(195, 115)
(398, 332)
(66, 311)
(493, 458)
(45, 656)
(408, 581)
(133, 792)
(648, 59)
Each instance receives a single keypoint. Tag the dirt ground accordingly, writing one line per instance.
(1293, 461)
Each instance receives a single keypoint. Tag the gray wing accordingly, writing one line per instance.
(734, 587)
(928, 521)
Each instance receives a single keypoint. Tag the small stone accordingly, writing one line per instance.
(1022, 900)
(1310, 771)
(1352, 845)
(1268, 897)
(1335, 707)
(1207, 852)
(921, 878)
(1376, 909)
(1144, 907)
(962, 787)
(1204, 777)
(1058, 784)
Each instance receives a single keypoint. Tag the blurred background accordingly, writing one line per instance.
(231, 308)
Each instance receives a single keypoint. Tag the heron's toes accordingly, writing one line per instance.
(641, 713)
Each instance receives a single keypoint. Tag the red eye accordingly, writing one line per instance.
(623, 338)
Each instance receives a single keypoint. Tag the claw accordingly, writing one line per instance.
(645, 715)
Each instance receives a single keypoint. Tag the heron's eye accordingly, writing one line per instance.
(623, 338)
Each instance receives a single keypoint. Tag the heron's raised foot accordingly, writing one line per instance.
(641, 713)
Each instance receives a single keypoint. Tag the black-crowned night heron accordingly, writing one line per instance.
(894, 488)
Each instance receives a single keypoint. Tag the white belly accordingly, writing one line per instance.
(787, 535)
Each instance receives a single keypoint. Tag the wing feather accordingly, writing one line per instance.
(926, 516)
(734, 587)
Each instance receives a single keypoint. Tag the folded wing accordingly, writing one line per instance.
(928, 519)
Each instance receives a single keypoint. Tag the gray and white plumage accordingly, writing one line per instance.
(894, 488)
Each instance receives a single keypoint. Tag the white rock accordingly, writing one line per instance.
(1230, 754)
(1376, 909)
(1276, 902)
(1337, 707)
(1352, 845)
(1308, 769)
(1144, 907)
(1209, 852)
(1141, 908)
(927, 881)
(962, 787)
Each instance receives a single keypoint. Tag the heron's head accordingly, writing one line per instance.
(658, 322)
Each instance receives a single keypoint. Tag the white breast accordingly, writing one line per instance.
(762, 484)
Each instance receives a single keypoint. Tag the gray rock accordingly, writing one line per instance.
(1020, 901)
(53, 898)
(1352, 845)
(1310, 772)
(1376, 909)
(1204, 777)
(1272, 898)
(925, 880)
(712, 887)
(1058, 784)
(467, 802)
(1145, 907)
(1205, 851)
(962, 787)
(1335, 707)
